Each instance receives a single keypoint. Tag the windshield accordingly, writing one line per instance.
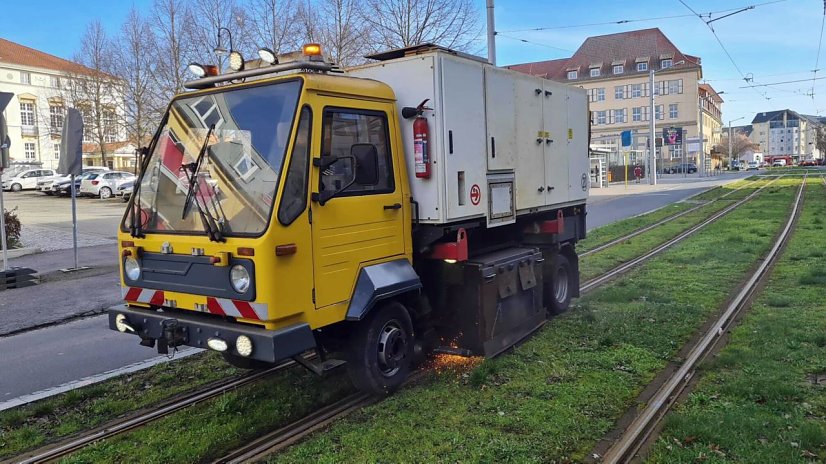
(239, 172)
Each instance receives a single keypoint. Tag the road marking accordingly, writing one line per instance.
(97, 378)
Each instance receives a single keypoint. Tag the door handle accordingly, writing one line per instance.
(393, 206)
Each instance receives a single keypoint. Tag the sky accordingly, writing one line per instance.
(776, 41)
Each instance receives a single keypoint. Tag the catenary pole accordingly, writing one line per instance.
(491, 34)
(3, 231)
(652, 134)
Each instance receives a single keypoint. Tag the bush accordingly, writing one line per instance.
(12, 228)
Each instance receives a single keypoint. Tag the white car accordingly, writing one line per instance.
(104, 184)
(47, 184)
(27, 179)
(779, 163)
(753, 165)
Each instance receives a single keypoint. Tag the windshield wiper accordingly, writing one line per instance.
(135, 222)
(211, 227)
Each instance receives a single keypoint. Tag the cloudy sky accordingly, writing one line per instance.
(776, 41)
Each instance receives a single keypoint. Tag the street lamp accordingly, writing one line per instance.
(652, 139)
(730, 154)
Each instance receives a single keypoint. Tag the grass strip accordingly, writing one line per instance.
(763, 398)
(607, 233)
(552, 397)
(48, 420)
(598, 263)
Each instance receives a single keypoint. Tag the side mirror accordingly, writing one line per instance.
(367, 163)
(323, 164)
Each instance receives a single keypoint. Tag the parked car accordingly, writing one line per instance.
(125, 190)
(808, 163)
(683, 167)
(103, 184)
(26, 180)
(46, 184)
(753, 165)
(779, 163)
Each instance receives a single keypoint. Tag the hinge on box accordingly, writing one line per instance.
(313, 295)
(310, 215)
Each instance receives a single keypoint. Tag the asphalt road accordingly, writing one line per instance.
(46, 358)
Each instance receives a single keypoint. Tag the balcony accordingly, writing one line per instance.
(28, 131)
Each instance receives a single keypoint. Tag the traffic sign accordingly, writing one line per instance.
(475, 194)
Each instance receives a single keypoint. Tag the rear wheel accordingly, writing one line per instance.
(105, 193)
(381, 349)
(245, 363)
(558, 287)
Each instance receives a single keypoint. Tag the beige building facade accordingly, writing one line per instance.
(616, 69)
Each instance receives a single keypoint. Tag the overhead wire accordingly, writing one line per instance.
(819, 45)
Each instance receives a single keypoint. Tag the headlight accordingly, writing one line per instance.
(236, 61)
(239, 278)
(132, 268)
(244, 345)
(121, 324)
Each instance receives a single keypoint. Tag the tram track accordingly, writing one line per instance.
(291, 433)
(641, 429)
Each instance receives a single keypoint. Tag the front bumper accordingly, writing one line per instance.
(195, 329)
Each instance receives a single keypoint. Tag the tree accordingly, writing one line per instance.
(272, 24)
(136, 67)
(739, 144)
(208, 17)
(820, 139)
(402, 23)
(97, 92)
(343, 31)
(172, 21)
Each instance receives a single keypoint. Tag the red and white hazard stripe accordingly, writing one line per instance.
(235, 308)
(142, 295)
(218, 306)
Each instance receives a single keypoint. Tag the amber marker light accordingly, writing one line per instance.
(312, 49)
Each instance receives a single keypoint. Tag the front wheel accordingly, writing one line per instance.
(105, 193)
(558, 288)
(16, 187)
(380, 349)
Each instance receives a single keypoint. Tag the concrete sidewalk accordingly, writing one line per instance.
(99, 258)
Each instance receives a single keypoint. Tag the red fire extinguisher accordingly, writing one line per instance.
(421, 150)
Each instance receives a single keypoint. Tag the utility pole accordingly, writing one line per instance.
(491, 34)
(702, 140)
(652, 138)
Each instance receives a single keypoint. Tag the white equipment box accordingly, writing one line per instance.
(501, 143)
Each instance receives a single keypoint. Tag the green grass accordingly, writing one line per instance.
(755, 402)
(607, 233)
(45, 421)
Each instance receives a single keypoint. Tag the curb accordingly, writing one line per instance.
(18, 252)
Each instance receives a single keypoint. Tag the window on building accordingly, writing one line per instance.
(56, 116)
(571, 74)
(675, 86)
(25, 78)
(26, 114)
(56, 148)
(594, 72)
(29, 151)
(672, 111)
(602, 117)
(619, 69)
(601, 94)
(636, 114)
(110, 126)
(636, 90)
(619, 92)
(55, 81)
(676, 152)
(642, 66)
(666, 64)
(659, 112)
(619, 116)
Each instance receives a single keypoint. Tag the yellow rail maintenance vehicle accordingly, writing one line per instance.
(427, 200)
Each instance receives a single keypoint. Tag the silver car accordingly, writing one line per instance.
(104, 184)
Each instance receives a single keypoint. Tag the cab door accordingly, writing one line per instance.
(364, 222)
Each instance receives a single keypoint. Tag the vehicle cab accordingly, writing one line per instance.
(257, 206)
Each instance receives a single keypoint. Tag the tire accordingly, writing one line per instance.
(245, 363)
(16, 187)
(380, 349)
(558, 285)
(105, 193)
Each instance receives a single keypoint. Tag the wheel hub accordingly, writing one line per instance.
(561, 285)
(392, 348)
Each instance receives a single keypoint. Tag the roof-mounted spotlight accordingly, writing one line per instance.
(268, 56)
(236, 61)
(203, 70)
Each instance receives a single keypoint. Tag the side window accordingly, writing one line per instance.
(359, 135)
(294, 198)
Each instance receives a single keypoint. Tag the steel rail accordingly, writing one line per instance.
(666, 220)
(624, 267)
(642, 426)
(53, 452)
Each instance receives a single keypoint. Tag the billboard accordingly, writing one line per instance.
(673, 135)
